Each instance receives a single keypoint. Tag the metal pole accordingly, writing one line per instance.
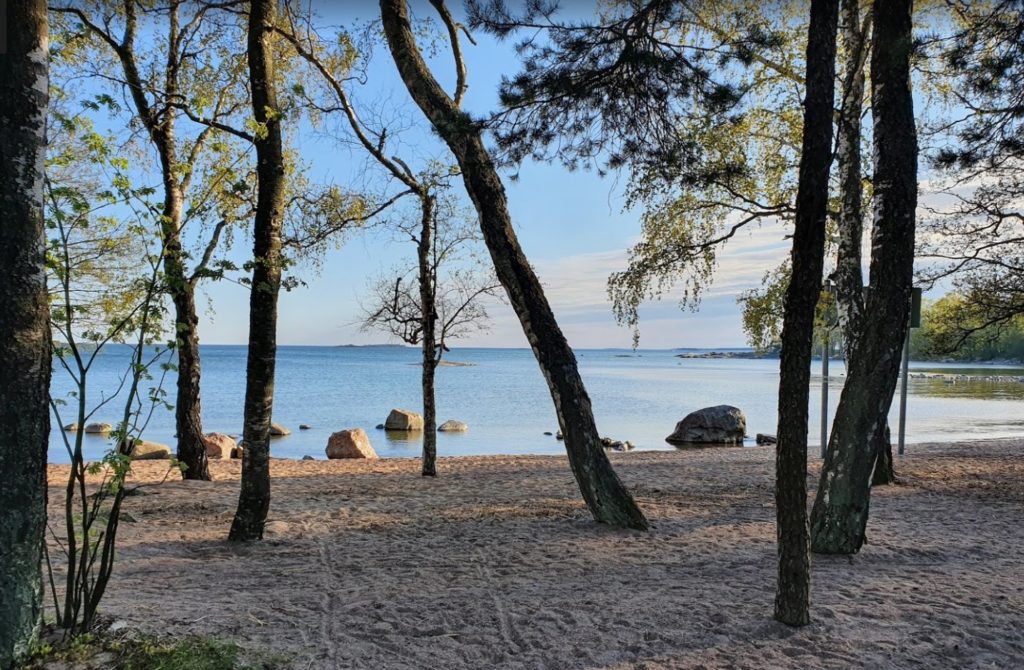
(903, 392)
(824, 395)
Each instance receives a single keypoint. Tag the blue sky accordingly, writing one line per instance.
(570, 224)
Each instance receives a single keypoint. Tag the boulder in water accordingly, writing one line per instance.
(98, 428)
(278, 430)
(403, 419)
(766, 439)
(71, 428)
(721, 424)
(453, 426)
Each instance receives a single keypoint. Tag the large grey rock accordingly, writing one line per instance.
(351, 443)
(219, 445)
(453, 427)
(146, 451)
(721, 424)
(403, 419)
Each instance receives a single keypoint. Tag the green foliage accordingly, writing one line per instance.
(953, 328)
(147, 653)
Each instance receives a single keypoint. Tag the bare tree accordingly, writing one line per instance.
(606, 497)
(24, 326)
(441, 299)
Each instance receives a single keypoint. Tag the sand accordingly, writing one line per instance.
(496, 564)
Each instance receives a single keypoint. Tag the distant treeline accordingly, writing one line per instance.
(950, 330)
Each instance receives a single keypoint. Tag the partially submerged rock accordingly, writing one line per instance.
(765, 439)
(403, 419)
(721, 424)
(278, 430)
(453, 426)
(71, 427)
(99, 428)
(350, 443)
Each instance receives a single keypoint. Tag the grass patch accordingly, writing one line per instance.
(134, 652)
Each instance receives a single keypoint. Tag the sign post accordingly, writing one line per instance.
(915, 322)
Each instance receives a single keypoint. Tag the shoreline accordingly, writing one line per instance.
(496, 563)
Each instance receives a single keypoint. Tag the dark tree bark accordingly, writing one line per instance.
(808, 256)
(840, 511)
(254, 498)
(428, 287)
(24, 325)
(606, 497)
(848, 276)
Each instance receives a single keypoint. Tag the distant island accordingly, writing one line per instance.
(371, 346)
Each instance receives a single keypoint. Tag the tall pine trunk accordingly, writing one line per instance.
(808, 255)
(606, 497)
(254, 498)
(848, 276)
(24, 326)
(428, 315)
(840, 513)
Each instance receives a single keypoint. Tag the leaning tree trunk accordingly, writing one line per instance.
(840, 511)
(606, 497)
(24, 326)
(254, 498)
(808, 258)
(848, 276)
(428, 316)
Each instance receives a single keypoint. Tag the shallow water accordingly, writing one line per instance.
(637, 396)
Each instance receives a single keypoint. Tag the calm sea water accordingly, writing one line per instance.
(637, 396)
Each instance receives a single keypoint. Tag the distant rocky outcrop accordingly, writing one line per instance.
(350, 443)
(403, 419)
(219, 445)
(97, 428)
(145, 451)
(453, 426)
(721, 424)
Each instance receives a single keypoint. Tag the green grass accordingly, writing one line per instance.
(147, 653)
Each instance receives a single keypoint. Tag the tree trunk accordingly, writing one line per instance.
(841, 507)
(848, 276)
(187, 409)
(188, 419)
(606, 497)
(808, 256)
(884, 472)
(24, 326)
(254, 498)
(428, 314)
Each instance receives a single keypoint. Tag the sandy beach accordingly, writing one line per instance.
(496, 564)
